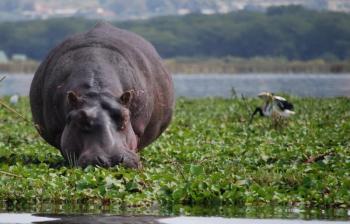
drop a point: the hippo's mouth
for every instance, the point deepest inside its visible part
(126, 158)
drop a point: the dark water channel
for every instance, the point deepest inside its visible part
(221, 85)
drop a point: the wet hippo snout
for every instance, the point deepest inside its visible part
(127, 158)
(87, 159)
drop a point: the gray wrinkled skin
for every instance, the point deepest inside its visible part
(101, 96)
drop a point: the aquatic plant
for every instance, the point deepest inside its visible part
(210, 155)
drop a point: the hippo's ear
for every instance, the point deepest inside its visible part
(73, 99)
(126, 98)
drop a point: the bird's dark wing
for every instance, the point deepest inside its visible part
(284, 104)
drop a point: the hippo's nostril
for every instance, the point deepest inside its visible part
(88, 159)
(102, 162)
(127, 158)
(83, 164)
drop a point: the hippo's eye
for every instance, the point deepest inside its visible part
(86, 124)
(122, 126)
(119, 120)
(86, 127)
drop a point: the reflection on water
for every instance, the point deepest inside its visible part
(220, 220)
(22, 218)
(176, 215)
(323, 85)
(91, 219)
(261, 212)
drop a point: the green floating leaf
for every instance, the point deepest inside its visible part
(196, 170)
(132, 186)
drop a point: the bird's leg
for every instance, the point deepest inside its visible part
(258, 109)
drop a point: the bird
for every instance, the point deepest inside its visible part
(275, 106)
(14, 99)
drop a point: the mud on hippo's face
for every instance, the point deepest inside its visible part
(98, 131)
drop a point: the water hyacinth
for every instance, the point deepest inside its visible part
(210, 155)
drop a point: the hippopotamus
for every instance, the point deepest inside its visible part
(101, 96)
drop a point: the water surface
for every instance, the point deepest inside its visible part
(304, 85)
(91, 219)
(226, 85)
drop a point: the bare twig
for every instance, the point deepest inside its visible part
(2, 103)
(250, 113)
(316, 158)
(247, 139)
(233, 92)
(10, 174)
(248, 108)
(246, 104)
(7, 107)
(179, 169)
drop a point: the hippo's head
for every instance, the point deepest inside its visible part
(98, 131)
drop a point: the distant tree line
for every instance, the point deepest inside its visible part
(288, 32)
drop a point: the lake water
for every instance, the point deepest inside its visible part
(174, 215)
(226, 85)
(106, 219)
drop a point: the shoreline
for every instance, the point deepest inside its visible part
(227, 65)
